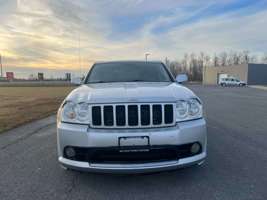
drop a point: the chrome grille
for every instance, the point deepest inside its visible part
(135, 115)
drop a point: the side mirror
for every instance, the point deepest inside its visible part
(180, 78)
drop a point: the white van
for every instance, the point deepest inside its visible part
(231, 81)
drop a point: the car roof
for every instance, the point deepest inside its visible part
(129, 61)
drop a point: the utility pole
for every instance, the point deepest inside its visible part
(80, 65)
(79, 41)
(1, 65)
(146, 55)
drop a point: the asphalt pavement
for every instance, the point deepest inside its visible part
(236, 167)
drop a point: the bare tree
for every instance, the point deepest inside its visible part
(223, 58)
(253, 59)
(177, 68)
(201, 63)
(264, 58)
(167, 62)
(230, 58)
(207, 60)
(201, 59)
(194, 64)
(244, 57)
(173, 68)
(236, 58)
(185, 61)
(215, 60)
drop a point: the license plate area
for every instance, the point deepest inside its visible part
(134, 144)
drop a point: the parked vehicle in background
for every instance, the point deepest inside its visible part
(231, 81)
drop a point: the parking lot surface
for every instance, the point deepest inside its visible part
(236, 167)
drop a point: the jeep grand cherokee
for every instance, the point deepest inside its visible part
(130, 117)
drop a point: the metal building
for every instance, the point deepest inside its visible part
(252, 74)
(40, 76)
(10, 76)
(68, 76)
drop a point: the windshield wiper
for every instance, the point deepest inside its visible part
(138, 80)
(98, 82)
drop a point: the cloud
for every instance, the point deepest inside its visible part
(46, 33)
(221, 33)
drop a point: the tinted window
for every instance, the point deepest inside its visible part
(128, 72)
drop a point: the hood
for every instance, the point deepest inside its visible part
(130, 92)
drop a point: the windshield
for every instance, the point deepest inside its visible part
(128, 72)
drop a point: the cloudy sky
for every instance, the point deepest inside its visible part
(46, 33)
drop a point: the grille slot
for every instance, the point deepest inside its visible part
(157, 114)
(108, 116)
(132, 115)
(145, 115)
(120, 116)
(168, 114)
(96, 115)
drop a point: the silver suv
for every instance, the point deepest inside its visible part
(130, 117)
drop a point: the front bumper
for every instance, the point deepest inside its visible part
(82, 136)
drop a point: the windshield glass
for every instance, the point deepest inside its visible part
(128, 72)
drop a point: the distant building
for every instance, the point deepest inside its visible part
(10, 76)
(32, 77)
(2, 78)
(252, 74)
(68, 76)
(40, 76)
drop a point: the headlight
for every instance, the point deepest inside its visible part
(181, 110)
(75, 113)
(188, 110)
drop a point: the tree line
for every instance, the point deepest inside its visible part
(192, 64)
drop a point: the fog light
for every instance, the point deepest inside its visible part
(70, 152)
(195, 148)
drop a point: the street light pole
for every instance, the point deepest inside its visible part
(146, 55)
